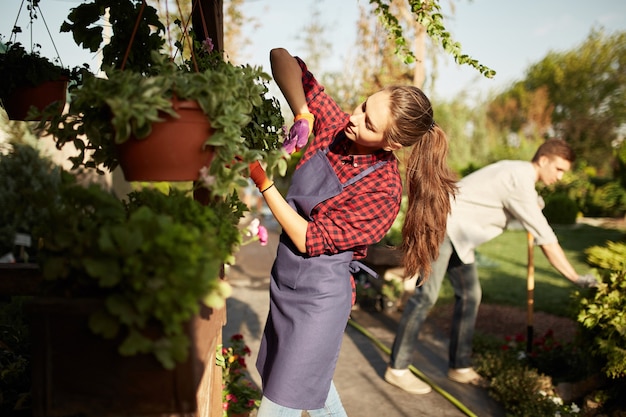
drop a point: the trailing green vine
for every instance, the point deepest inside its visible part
(428, 14)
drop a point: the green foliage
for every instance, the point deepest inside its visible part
(560, 209)
(239, 394)
(147, 36)
(606, 200)
(154, 260)
(428, 14)
(29, 184)
(594, 196)
(15, 351)
(523, 383)
(611, 256)
(19, 68)
(603, 311)
(105, 112)
(586, 90)
(392, 289)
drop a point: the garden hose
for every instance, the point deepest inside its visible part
(415, 371)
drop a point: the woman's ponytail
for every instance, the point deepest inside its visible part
(430, 185)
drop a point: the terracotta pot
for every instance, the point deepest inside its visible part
(40, 96)
(174, 149)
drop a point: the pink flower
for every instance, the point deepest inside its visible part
(263, 235)
(205, 178)
(207, 45)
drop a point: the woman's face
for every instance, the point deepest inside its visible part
(368, 123)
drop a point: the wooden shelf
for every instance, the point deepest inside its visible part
(20, 279)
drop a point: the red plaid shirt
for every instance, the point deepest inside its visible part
(364, 211)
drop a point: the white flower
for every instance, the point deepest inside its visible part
(557, 400)
(574, 408)
(253, 228)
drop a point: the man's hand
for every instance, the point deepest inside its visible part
(587, 281)
(257, 174)
(299, 132)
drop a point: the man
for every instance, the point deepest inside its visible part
(486, 201)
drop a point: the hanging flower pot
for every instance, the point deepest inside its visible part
(21, 99)
(174, 150)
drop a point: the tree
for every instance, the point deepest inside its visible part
(587, 90)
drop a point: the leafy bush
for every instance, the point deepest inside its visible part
(606, 200)
(521, 390)
(560, 209)
(29, 184)
(594, 196)
(602, 310)
(523, 383)
(15, 368)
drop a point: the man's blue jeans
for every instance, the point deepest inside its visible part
(467, 296)
(332, 408)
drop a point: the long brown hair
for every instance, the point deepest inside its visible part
(430, 182)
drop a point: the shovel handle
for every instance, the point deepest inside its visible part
(530, 290)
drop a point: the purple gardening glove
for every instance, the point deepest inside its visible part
(299, 132)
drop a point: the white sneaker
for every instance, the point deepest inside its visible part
(407, 382)
(467, 376)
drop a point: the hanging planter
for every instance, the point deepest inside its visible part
(112, 121)
(22, 99)
(30, 80)
(173, 151)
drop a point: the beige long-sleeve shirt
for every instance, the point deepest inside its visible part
(488, 199)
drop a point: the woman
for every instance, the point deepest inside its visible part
(345, 194)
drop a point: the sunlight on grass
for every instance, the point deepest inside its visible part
(502, 268)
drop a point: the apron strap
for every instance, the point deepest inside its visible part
(356, 266)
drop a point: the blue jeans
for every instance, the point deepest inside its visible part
(467, 296)
(332, 408)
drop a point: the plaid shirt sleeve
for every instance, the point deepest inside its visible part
(359, 216)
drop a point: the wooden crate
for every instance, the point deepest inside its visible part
(75, 371)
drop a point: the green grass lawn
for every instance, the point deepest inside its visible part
(502, 268)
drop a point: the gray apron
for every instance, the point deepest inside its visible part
(310, 301)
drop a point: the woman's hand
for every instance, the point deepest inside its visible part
(299, 132)
(258, 175)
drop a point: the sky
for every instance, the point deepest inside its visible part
(507, 36)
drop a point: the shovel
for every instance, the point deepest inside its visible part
(530, 292)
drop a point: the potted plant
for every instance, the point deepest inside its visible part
(240, 395)
(30, 80)
(129, 281)
(106, 114)
(152, 259)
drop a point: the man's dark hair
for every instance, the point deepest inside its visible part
(555, 147)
